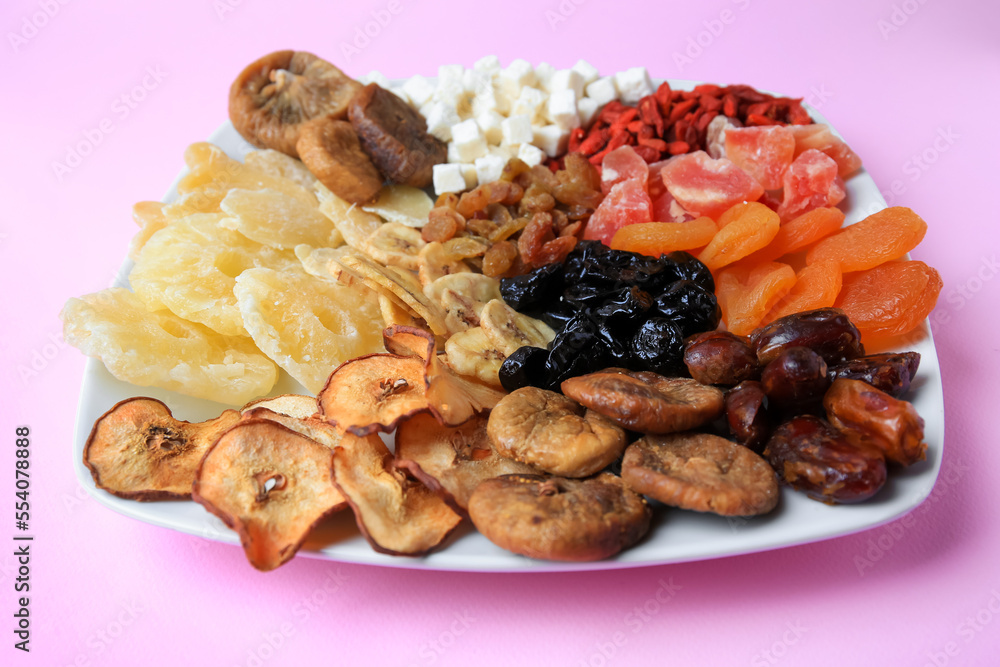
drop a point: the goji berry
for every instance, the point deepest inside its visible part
(680, 109)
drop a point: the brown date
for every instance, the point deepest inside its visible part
(812, 456)
(869, 417)
(747, 415)
(720, 357)
(892, 373)
(826, 331)
(795, 378)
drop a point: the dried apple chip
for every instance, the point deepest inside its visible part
(398, 514)
(137, 450)
(312, 427)
(373, 393)
(269, 484)
(453, 460)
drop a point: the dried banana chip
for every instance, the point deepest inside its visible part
(435, 262)
(404, 204)
(394, 244)
(463, 297)
(471, 353)
(509, 330)
(394, 314)
(399, 284)
(322, 263)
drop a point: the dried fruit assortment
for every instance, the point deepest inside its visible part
(591, 288)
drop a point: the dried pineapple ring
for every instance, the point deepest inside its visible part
(159, 349)
(404, 204)
(274, 219)
(150, 217)
(138, 450)
(213, 173)
(394, 244)
(509, 330)
(277, 164)
(190, 267)
(471, 353)
(307, 325)
(322, 263)
(351, 221)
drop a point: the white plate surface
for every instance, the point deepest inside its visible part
(676, 536)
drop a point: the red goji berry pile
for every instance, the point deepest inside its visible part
(671, 122)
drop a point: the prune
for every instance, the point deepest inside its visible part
(526, 367)
(795, 378)
(869, 417)
(557, 315)
(747, 415)
(891, 373)
(533, 290)
(646, 402)
(683, 265)
(576, 350)
(657, 347)
(826, 331)
(587, 296)
(812, 456)
(624, 309)
(693, 308)
(720, 357)
(701, 472)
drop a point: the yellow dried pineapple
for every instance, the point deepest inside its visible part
(278, 220)
(159, 349)
(279, 165)
(308, 325)
(151, 219)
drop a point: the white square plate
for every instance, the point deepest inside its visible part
(676, 535)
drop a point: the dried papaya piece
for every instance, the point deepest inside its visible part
(881, 237)
(891, 299)
(752, 228)
(748, 292)
(816, 286)
(658, 238)
(799, 232)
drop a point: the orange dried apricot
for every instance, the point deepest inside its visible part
(816, 286)
(747, 292)
(891, 299)
(658, 238)
(752, 228)
(799, 232)
(881, 237)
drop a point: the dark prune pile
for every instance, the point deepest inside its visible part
(609, 308)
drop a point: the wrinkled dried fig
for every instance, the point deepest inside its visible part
(452, 460)
(554, 433)
(395, 136)
(554, 518)
(701, 472)
(269, 484)
(397, 514)
(646, 402)
(274, 96)
(137, 450)
(331, 150)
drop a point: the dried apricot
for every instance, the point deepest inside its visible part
(748, 292)
(754, 226)
(659, 238)
(881, 237)
(799, 232)
(891, 299)
(816, 286)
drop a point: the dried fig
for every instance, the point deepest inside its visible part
(701, 472)
(452, 460)
(137, 450)
(395, 136)
(273, 97)
(269, 484)
(646, 402)
(554, 433)
(397, 514)
(331, 150)
(554, 518)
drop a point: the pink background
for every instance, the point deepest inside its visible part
(107, 590)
